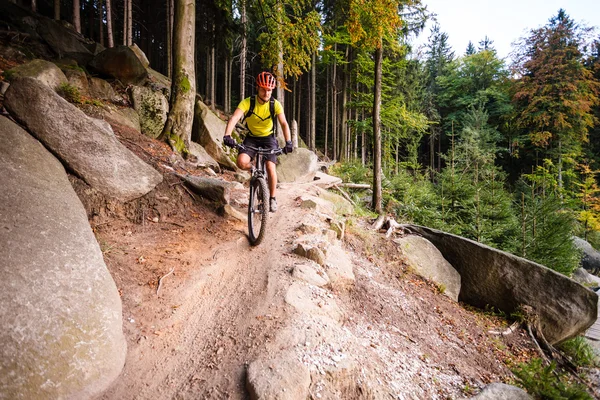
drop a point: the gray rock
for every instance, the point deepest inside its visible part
(309, 274)
(44, 71)
(65, 42)
(140, 55)
(282, 377)
(91, 152)
(591, 257)
(208, 132)
(428, 262)
(580, 275)
(313, 301)
(204, 159)
(121, 63)
(502, 391)
(299, 166)
(339, 268)
(491, 277)
(78, 79)
(61, 334)
(341, 206)
(100, 89)
(152, 107)
(212, 189)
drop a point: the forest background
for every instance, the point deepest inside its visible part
(505, 154)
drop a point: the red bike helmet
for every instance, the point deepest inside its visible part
(266, 80)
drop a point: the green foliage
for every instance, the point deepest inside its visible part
(70, 93)
(580, 352)
(546, 382)
(292, 30)
(412, 199)
(353, 171)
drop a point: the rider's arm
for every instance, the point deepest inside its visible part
(284, 126)
(238, 114)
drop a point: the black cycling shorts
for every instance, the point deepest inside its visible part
(266, 142)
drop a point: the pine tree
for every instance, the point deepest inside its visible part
(555, 93)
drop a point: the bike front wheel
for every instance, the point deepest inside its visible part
(258, 210)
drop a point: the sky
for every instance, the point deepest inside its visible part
(502, 21)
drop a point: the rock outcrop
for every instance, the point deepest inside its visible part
(427, 261)
(208, 132)
(44, 71)
(152, 107)
(299, 166)
(121, 63)
(61, 333)
(88, 147)
(591, 257)
(491, 277)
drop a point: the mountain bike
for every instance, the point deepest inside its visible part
(258, 204)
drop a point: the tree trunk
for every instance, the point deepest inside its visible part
(377, 201)
(129, 22)
(101, 21)
(34, 5)
(125, 8)
(169, 38)
(227, 84)
(343, 126)
(76, 16)
(334, 113)
(57, 10)
(109, 30)
(178, 129)
(327, 90)
(213, 85)
(313, 103)
(280, 74)
(244, 51)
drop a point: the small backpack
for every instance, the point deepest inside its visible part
(271, 110)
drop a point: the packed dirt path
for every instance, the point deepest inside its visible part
(223, 308)
(223, 305)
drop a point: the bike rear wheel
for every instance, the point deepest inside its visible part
(258, 210)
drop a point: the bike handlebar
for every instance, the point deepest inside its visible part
(259, 150)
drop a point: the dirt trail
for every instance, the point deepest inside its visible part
(225, 306)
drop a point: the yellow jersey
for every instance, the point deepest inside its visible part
(260, 123)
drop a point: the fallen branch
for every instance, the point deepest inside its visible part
(160, 280)
(355, 185)
(344, 194)
(507, 331)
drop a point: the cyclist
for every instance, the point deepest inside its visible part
(261, 125)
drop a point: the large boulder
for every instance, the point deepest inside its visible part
(591, 257)
(299, 166)
(497, 391)
(140, 55)
(427, 261)
(87, 147)
(78, 79)
(65, 42)
(61, 335)
(208, 131)
(100, 89)
(152, 107)
(121, 63)
(490, 277)
(44, 71)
